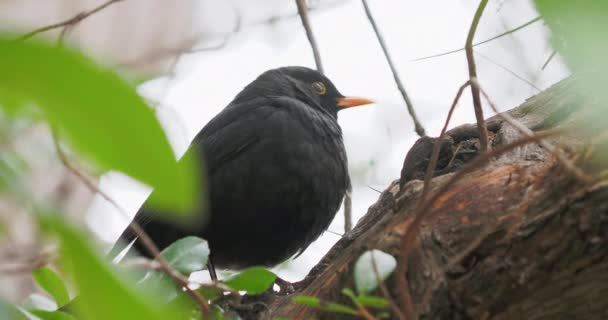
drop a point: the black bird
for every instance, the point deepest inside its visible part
(276, 171)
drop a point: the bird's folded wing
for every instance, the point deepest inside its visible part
(224, 138)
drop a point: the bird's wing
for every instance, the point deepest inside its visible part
(230, 133)
(224, 138)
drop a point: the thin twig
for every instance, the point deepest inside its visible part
(71, 21)
(410, 106)
(569, 165)
(528, 82)
(384, 289)
(303, 12)
(430, 169)
(405, 296)
(481, 42)
(549, 59)
(348, 210)
(374, 189)
(424, 210)
(481, 125)
(136, 228)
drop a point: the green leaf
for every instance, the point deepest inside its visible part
(52, 315)
(253, 280)
(578, 33)
(307, 301)
(100, 114)
(366, 280)
(50, 282)
(102, 294)
(372, 302)
(209, 292)
(339, 308)
(318, 304)
(36, 301)
(187, 255)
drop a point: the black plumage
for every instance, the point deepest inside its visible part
(276, 171)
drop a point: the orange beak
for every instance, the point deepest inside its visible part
(347, 102)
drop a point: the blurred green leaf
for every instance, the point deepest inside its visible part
(366, 279)
(372, 302)
(339, 308)
(102, 294)
(579, 30)
(210, 293)
(366, 301)
(100, 114)
(48, 280)
(185, 255)
(318, 304)
(578, 33)
(307, 301)
(52, 315)
(253, 280)
(37, 301)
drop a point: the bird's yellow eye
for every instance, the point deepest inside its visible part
(319, 88)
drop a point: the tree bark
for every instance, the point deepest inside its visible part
(518, 238)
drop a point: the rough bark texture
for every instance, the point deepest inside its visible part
(519, 238)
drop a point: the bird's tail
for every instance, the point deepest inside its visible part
(161, 231)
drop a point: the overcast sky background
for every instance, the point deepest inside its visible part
(377, 137)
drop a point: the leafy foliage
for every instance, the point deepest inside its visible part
(98, 285)
(99, 113)
(254, 280)
(48, 280)
(186, 255)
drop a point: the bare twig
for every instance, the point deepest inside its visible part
(481, 126)
(410, 106)
(69, 22)
(506, 33)
(569, 165)
(303, 12)
(348, 210)
(136, 228)
(528, 82)
(424, 210)
(430, 169)
(385, 291)
(551, 56)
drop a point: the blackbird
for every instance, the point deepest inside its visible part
(276, 172)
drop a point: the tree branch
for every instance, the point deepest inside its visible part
(69, 22)
(481, 126)
(303, 12)
(410, 107)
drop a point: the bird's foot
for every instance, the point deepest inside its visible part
(285, 287)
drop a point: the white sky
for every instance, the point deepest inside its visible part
(377, 137)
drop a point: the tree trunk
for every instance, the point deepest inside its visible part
(518, 238)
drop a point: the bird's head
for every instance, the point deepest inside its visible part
(304, 84)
